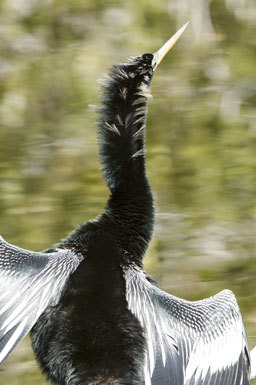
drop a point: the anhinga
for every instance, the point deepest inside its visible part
(95, 316)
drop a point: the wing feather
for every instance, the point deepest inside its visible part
(189, 343)
(29, 283)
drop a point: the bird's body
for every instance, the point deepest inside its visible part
(93, 312)
(96, 317)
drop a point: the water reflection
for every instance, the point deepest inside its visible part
(201, 137)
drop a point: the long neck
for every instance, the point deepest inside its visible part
(122, 150)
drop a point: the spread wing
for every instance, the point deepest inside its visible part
(189, 343)
(29, 283)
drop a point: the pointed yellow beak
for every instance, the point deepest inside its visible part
(160, 54)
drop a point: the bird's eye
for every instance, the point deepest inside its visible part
(154, 64)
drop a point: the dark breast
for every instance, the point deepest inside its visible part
(91, 337)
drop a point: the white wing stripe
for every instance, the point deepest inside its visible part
(12, 340)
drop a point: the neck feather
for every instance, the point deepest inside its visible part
(122, 150)
(122, 123)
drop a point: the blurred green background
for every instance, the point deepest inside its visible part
(201, 137)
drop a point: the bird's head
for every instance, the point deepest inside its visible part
(147, 63)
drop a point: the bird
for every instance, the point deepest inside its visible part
(94, 315)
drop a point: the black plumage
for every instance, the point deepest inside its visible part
(95, 316)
